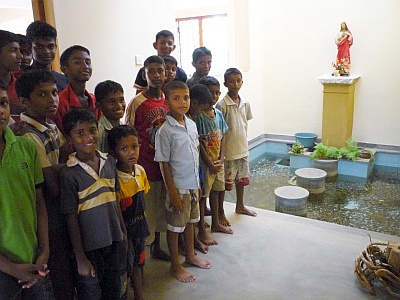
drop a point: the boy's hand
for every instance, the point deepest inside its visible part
(176, 203)
(85, 268)
(216, 167)
(29, 274)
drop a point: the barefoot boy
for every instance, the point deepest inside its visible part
(212, 127)
(146, 113)
(177, 151)
(124, 146)
(236, 112)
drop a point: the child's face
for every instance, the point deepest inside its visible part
(113, 107)
(4, 110)
(155, 75)
(215, 92)
(127, 151)
(43, 101)
(79, 67)
(26, 51)
(44, 51)
(178, 102)
(234, 83)
(170, 70)
(203, 65)
(10, 57)
(84, 137)
(164, 46)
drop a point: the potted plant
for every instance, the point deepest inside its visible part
(351, 152)
(326, 158)
(297, 148)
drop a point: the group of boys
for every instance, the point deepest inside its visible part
(80, 211)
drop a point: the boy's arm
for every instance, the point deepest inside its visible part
(28, 274)
(52, 180)
(175, 200)
(42, 228)
(85, 267)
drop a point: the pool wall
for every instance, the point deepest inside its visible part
(279, 145)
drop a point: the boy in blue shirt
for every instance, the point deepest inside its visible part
(177, 151)
(24, 243)
(89, 183)
(124, 146)
(211, 127)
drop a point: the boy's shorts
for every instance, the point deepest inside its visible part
(176, 222)
(136, 253)
(215, 182)
(237, 172)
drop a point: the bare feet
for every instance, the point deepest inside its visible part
(206, 239)
(182, 274)
(198, 245)
(206, 225)
(245, 211)
(223, 220)
(221, 228)
(199, 262)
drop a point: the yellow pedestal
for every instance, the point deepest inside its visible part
(338, 108)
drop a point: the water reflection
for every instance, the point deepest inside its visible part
(372, 204)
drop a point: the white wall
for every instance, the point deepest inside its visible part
(291, 43)
(296, 45)
(114, 32)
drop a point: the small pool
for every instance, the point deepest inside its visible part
(374, 205)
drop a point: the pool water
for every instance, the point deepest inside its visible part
(373, 205)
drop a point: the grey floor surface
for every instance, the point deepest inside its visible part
(272, 256)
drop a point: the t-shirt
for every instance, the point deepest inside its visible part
(131, 197)
(141, 83)
(104, 126)
(147, 115)
(68, 100)
(21, 174)
(236, 117)
(215, 128)
(93, 198)
(16, 107)
(195, 79)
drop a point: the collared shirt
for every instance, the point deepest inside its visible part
(68, 100)
(104, 127)
(236, 117)
(20, 174)
(179, 146)
(92, 196)
(47, 137)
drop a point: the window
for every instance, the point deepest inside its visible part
(208, 31)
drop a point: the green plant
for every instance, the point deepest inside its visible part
(324, 151)
(297, 148)
(351, 152)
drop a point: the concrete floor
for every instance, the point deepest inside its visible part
(272, 256)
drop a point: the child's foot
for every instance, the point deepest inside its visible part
(198, 245)
(158, 253)
(199, 262)
(182, 274)
(206, 225)
(245, 211)
(221, 228)
(223, 220)
(206, 239)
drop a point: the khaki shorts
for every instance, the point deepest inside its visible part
(215, 182)
(237, 172)
(176, 222)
